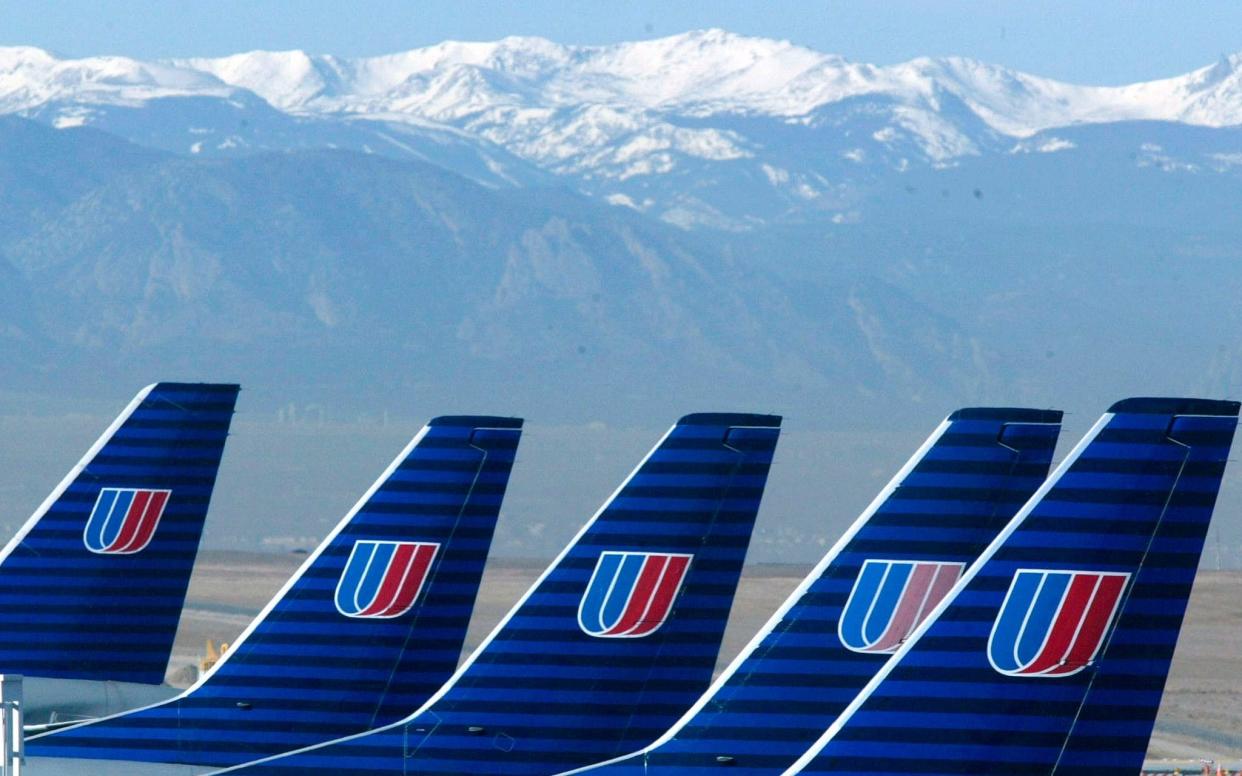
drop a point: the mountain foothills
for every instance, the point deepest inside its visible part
(708, 216)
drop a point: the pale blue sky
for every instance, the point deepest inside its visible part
(1090, 41)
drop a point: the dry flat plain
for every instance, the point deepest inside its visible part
(1201, 715)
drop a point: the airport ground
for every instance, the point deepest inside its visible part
(1201, 715)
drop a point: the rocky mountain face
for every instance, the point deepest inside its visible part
(333, 269)
(708, 216)
(619, 234)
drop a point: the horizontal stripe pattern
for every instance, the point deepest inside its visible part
(110, 611)
(944, 709)
(542, 695)
(947, 504)
(1115, 721)
(305, 672)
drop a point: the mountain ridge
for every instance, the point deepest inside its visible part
(702, 129)
(695, 68)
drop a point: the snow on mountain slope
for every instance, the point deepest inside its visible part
(30, 77)
(632, 109)
(171, 106)
(706, 127)
(1019, 104)
(696, 74)
(705, 72)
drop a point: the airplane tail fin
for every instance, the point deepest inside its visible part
(365, 631)
(857, 606)
(996, 677)
(621, 634)
(94, 582)
(614, 640)
(1114, 724)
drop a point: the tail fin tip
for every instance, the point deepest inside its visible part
(1008, 414)
(174, 385)
(730, 419)
(1146, 405)
(482, 421)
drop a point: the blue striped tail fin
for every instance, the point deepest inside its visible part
(1000, 677)
(93, 584)
(1114, 724)
(366, 630)
(613, 642)
(861, 601)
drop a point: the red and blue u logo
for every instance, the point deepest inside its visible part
(1053, 623)
(123, 520)
(890, 599)
(631, 594)
(382, 579)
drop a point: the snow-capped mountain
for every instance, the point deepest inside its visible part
(701, 74)
(706, 127)
(181, 109)
(31, 77)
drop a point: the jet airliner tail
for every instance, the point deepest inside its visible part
(616, 638)
(365, 631)
(93, 584)
(861, 602)
(1050, 653)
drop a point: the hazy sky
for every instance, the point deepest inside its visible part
(1091, 41)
